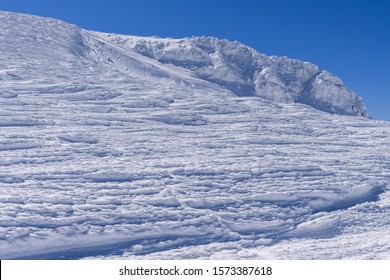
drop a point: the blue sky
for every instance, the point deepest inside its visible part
(350, 39)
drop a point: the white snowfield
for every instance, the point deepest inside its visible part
(115, 146)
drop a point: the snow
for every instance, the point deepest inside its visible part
(115, 146)
(246, 72)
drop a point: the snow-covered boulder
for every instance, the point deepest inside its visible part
(328, 93)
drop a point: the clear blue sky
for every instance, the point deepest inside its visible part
(350, 39)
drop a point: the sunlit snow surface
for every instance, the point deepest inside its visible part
(108, 153)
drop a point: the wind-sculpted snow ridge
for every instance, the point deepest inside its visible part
(108, 152)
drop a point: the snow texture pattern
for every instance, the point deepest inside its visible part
(115, 146)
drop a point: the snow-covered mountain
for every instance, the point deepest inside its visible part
(230, 65)
(118, 146)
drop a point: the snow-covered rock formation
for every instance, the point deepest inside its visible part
(115, 146)
(248, 73)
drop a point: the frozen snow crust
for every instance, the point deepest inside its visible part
(115, 146)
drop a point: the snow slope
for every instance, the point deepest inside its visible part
(115, 146)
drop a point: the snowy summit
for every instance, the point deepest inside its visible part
(116, 146)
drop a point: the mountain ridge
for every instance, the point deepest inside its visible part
(276, 78)
(231, 65)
